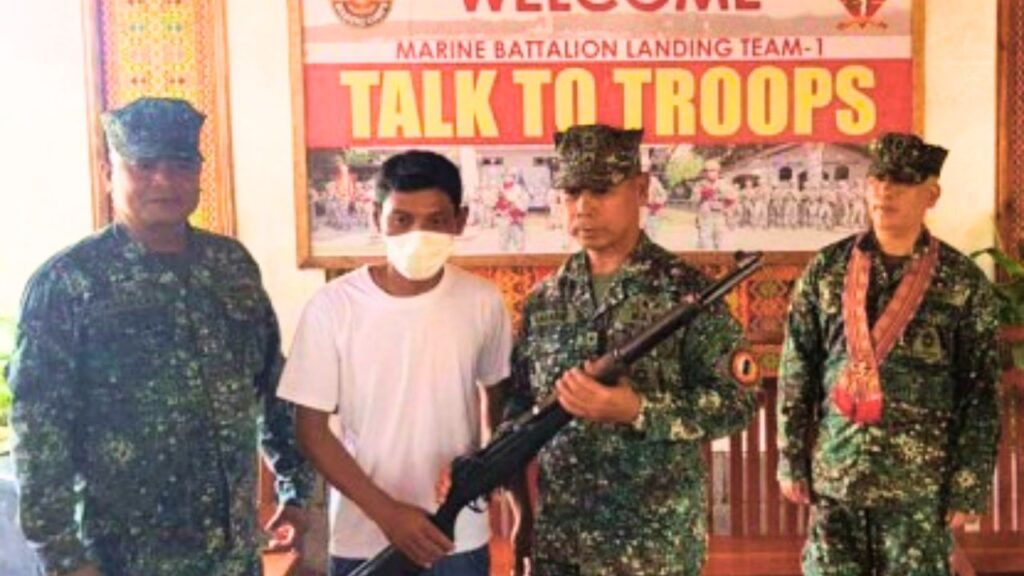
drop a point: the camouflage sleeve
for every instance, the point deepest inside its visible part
(277, 431)
(714, 399)
(277, 440)
(975, 430)
(42, 376)
(708, 402)
(519, 395)
(799, 382)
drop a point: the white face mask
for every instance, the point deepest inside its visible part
(419, 255)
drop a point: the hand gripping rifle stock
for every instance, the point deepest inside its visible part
(476, 475)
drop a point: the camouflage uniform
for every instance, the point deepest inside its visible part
(934, 449)
(881, 491)
(142, 384)
(617, 499)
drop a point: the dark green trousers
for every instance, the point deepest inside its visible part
(852, 541)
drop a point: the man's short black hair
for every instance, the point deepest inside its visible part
(417, 170)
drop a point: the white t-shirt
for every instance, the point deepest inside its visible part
(400, 373)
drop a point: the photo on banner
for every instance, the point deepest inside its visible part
(756, 114)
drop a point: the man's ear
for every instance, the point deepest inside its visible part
(461, 217)
(106, 172)
(376, 217)
(643, 184)
(934, 192)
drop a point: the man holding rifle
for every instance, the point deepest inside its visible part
(386, 370)
(622, 487)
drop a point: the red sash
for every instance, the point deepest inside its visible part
(858, 393)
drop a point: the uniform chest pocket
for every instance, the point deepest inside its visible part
(240, 305)
(244, 332)
(647, 375)
(553, 349)
(128, 336)
(830, 297)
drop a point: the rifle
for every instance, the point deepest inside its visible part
(515, 444)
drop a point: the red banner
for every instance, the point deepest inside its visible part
(701, 102)
(756, 115)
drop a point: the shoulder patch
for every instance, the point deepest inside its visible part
(744, 368)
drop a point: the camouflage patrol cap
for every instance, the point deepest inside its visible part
(905, 158)
(596, 156)
(151, 128)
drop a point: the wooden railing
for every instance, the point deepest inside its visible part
(996, 545)
(754, 530)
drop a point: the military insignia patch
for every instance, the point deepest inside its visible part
(362, 13)
(744, 369)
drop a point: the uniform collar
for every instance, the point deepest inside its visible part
(869, 243)
(887, 276)
(132, 249)
(574, 278)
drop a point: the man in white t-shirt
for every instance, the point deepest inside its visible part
(386, 368)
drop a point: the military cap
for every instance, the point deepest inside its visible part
(905, 158)
(151, 128)
(596, 156)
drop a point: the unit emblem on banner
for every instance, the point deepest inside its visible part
(362, 13)
(862, 14)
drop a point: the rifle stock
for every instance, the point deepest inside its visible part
(516, 444)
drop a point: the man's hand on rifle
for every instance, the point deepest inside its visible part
(795, 491)
(522, 530)
(443, 484)
(584, 397)
(412, 532)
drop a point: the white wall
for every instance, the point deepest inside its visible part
(44, 148)
(45, 155)
(960, 114)
(261, 121)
